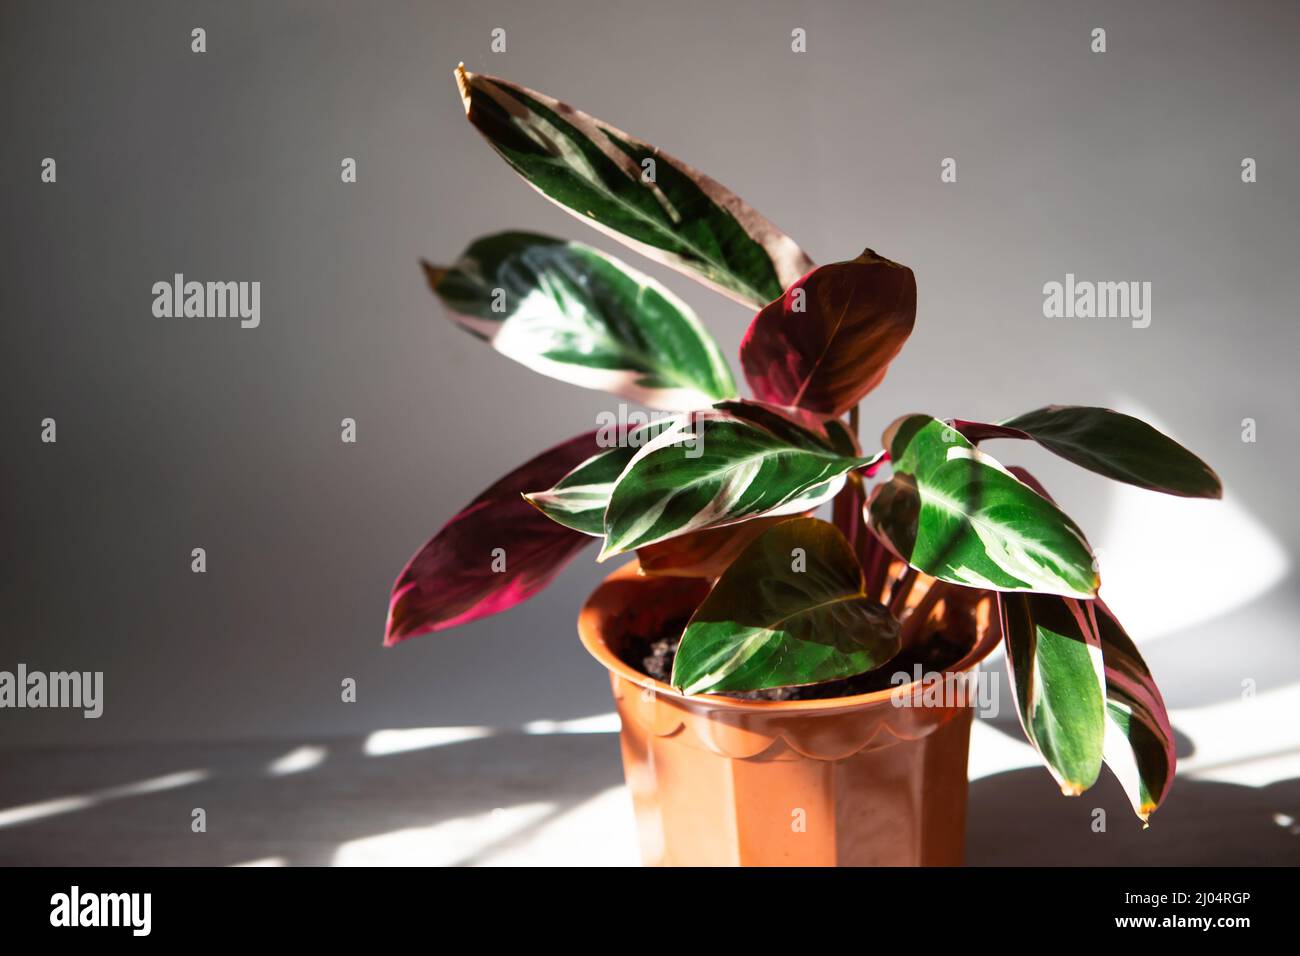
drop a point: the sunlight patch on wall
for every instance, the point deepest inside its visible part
(41, 809)
(595, 724)
(603, 825)
(1252, 741)
(299, 759)
(992, 752)
(1168, 563)
(381, 743)
(448, 843)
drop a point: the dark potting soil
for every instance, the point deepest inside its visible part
(935, 652)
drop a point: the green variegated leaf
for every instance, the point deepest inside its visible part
(578, 500)
(633, 192)
(1054, 656)
(719, 466)
(1139, 740)
(571, 312)
(791, 609)
(955, 513)
(1139, 745)
(1112, 444)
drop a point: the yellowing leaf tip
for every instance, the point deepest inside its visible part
(433, 274)
(462, 83)
(1144, 814)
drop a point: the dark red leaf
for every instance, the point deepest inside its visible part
(976, 432)
(830, 338)
(451, 580)
(1110, 443)
(1028, 479)
(1132, 690)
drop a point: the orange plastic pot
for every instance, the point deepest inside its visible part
(715, 781)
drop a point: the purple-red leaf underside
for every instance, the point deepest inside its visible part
(977, 432)
(459, 575)
(829, 339)
(1131, 693)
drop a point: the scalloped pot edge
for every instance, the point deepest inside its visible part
(844, 781)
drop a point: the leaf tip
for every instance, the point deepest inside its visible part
(535, 499)
(392, 632)
(463, 77)
(433, 274)
(1071, 789)
(398, 626)
(1091, 587)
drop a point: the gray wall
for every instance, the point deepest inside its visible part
(174, 433)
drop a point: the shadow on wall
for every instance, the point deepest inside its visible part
(515, 798)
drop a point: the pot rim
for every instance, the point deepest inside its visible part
(593, 639)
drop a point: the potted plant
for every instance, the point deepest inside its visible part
(753, 648)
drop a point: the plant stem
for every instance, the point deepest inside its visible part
(872, 554)
(846, 511)
(910, 632)
(902, 588)
(875, 563)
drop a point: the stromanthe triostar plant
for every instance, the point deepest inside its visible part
(724, 488)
